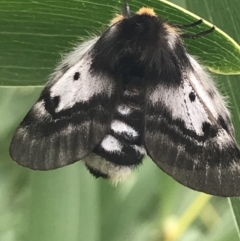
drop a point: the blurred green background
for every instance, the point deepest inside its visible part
(69, 204)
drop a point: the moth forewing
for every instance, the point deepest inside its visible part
(70, 117)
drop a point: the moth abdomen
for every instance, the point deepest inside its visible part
(121, 149)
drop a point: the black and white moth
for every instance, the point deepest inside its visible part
(133, 91)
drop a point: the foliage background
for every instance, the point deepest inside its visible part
(68, 204)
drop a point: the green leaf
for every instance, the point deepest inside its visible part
(34, 34)
(235, 205)
(64, 205)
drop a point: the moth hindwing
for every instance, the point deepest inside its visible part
(133, 91)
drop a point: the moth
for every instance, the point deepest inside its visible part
(131, 92)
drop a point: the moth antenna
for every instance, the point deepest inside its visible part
(198, 22)
(198, 35)
(126, 11)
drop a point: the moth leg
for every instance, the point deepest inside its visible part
(198, 35)
(198, 22)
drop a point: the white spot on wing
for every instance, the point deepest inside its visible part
(176, 100)
(39, 109)
(82, 90)
(121, 127)
(111, 144)
(201, 92)
(139, 149)
(203, 83)
(223, 139)
(124, 110)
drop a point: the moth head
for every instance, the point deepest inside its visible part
(141, 32)
(132, 40)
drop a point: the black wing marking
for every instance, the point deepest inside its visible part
(189, 135)
(70, 118)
